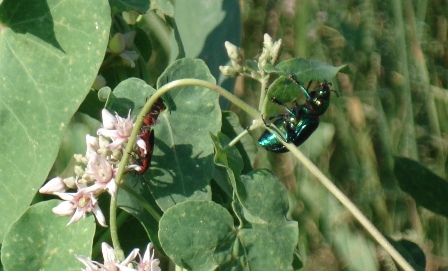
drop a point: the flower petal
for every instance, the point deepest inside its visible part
(65, 208)
(131, 257)
(109, 120)
(65, 196)
(108, 253)
(99, 215)
(54, 185)
(79, 213)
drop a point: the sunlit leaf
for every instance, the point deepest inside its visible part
(47, 246)
(50, 53)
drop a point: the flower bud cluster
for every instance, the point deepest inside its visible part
(96, 170)
(239, 66)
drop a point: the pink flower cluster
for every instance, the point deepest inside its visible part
(147, 263)
(96, 171)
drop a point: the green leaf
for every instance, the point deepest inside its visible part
(183, 152)
(52, 50)
(40, 240)
(143, 43)
(427, 189)
(266, 197)
(141, 6)
(219, 21)
(197, 235)
(413, 254)
(284, 90)
(130, 94)
(306, 69)
(228, 165)
(270, 239)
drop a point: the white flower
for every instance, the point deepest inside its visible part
(99, 169)
(77, 205)
(149, 263)
(117, 128)
(110, 260)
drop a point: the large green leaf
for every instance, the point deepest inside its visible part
(197, 235)
(40, 240)
(200, 235)
(50, 52)
(183, 153)
(219, 21)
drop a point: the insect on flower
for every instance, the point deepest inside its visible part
(147, 134)
(144, 158)
(151, 118)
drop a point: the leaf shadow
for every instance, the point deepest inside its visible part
(30, 17)
(167, 179)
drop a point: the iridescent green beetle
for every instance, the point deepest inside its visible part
(300, 121)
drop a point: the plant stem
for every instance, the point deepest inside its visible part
(114, 228)
(333, 189)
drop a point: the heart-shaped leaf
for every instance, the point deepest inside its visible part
(51, 53)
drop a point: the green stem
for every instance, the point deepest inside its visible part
(333, 189)
(114, 228)
(264, 83)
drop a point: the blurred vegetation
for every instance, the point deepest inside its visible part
(393, 101)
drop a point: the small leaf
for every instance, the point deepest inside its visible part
(197, 235)
(427, 189)
(413, 254)
(130, 94)
(307, 70)
(252, 64)
(40, 240)
(284, 90)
